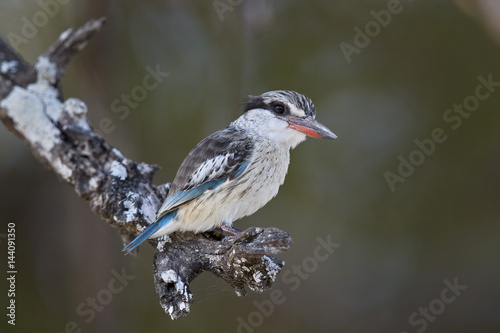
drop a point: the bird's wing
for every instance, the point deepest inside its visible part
(219, 158)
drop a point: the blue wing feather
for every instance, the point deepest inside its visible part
(175, 200)
(219, 158)
(154, 227)
(241, 168)
(183, 197)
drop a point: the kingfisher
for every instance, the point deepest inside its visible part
(235, 171)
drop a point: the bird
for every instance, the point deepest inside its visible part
(235, 171)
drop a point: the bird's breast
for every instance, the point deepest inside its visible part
(259, 183)
(243, 195)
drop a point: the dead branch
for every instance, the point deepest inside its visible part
(118, 189)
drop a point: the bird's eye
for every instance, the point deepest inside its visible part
(279, 108)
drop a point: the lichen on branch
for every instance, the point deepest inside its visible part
(120, 190)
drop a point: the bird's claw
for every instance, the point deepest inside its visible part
(231, 229)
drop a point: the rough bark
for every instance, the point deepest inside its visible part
(118, 189)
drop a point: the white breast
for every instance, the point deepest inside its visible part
(240, 197)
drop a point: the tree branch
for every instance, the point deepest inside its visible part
(118, 189)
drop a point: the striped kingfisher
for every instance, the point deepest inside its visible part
(235, 171)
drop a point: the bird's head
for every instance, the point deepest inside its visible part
(283, 116)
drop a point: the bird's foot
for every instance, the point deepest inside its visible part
(230, 229)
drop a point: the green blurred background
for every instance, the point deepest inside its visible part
(396, 247)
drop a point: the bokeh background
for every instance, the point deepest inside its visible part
(396, 247)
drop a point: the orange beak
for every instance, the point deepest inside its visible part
(310, 127)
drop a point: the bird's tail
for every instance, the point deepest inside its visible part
(162, 221)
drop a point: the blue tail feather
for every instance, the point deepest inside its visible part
(162, 221)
